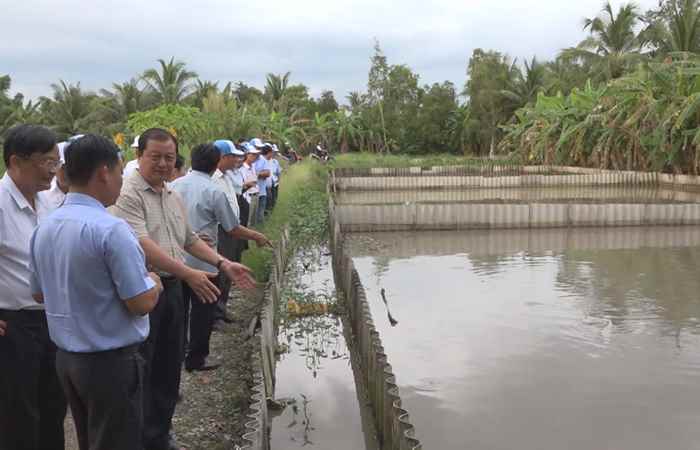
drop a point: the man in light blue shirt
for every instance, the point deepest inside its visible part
(90, 272)
(208, 207)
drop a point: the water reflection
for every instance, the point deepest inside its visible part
(577, 347)
(314, 372)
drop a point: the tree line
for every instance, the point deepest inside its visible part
(627, 96)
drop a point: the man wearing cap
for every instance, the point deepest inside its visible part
(250, 177)
(158, 216)
(208, 206)
(276, 171)
(32, 404)
(90, 272)
(262, 169)
(132, 165)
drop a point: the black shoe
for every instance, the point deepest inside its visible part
(202, 368)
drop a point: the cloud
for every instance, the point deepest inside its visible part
(326, 45)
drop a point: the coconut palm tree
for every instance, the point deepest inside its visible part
(275, 88)
(674, 27)
(202, 90)
(613, 45)
(522, 88)
(173, 82)
(126, 98)
(68, 108)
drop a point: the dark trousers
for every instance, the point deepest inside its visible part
(32, 404)
(162, 352)
(230, 248)
(105, 393)
(244, 208)
(275, 191)
(200, 325)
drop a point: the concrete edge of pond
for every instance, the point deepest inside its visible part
(392, 421)
(495, 176)
(257, 435)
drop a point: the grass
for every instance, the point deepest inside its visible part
(302, 207)
(363, 160)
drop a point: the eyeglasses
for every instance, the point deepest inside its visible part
(45, 163)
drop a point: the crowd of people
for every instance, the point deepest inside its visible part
(113, 276)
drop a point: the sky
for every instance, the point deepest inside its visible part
(326, 44)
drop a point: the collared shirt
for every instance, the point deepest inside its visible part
(262, 164)
(17, 222)
(207, 206)
(237, 180)
(86, 263)
(276, 171)
(54, 196)
(249, 174)
(160, 216)
(130, 167)
(225, 183)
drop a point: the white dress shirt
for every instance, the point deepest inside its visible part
(53, 197)
(249, 174)
(224, 182)
(17, 222)
(130, 167)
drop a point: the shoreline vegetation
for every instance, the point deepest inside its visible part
(626, 97)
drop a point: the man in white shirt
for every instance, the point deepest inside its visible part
(32, 404)
(132, 165)
(56, 194)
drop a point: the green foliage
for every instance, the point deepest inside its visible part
(186, 122)
(648, 120)
(302, 208)
(366, 160)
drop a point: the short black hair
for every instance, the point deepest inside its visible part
(205, 158)
(155, 134)
(179, 161)
(240, 141)
(87, 154)
(25, 140)
(266, 149)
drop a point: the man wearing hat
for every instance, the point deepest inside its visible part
(208, 207)
(132, 165)
(250, 188)
(262, 169)
(276, 171)
(230, 180)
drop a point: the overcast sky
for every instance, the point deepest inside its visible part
(325, 44)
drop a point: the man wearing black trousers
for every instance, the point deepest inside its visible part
(207, 206)
(158, 217)
(32, 404)
(90, 272)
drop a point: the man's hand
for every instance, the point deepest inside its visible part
(3, 327)
(239, 274)
(201, 284)
(249, 184)
(157, 281)
(262, 241)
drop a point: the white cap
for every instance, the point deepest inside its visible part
(135, 144)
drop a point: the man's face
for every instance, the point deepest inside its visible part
(252, 157)
(238, 161)
(177, 173)
(157, 162)
(227, 162)
(38, 169)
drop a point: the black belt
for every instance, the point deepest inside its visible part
(18, 314)
(128, 350)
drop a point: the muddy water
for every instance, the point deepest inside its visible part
(580, 346)
(315, 374)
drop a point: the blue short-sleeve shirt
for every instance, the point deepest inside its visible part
(86, 263)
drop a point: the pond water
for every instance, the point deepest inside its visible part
(315, 374)
(551, 339)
